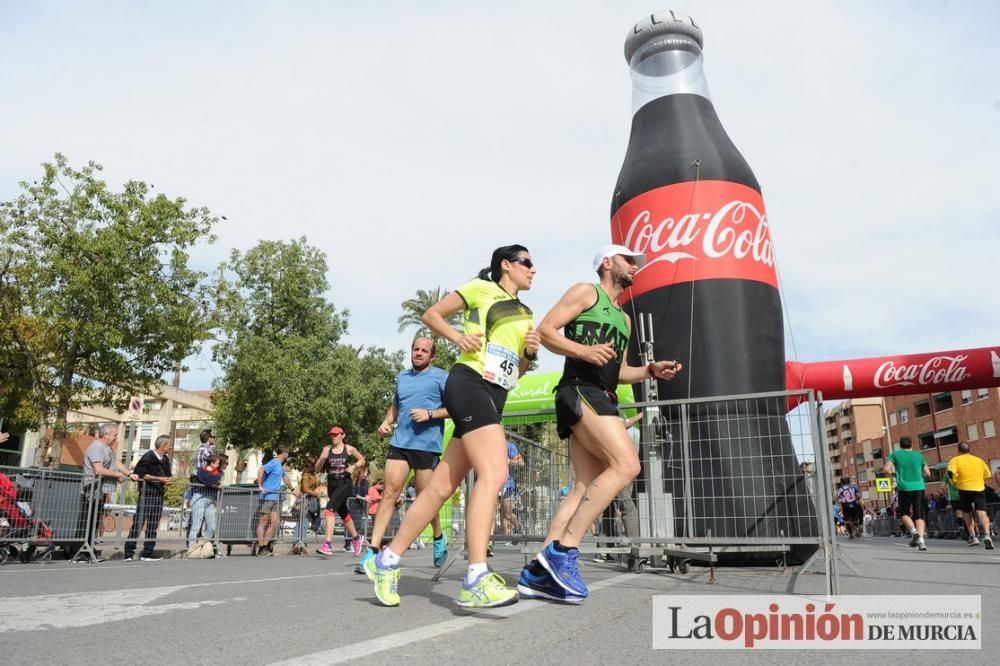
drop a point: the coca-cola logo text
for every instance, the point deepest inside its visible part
(724, 234)
(935, 370)
(697, 231)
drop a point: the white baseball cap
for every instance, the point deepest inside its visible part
(612, 250)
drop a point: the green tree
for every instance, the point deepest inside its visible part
(174, 493)
(95, 290)
(286, 377)
(445, 352)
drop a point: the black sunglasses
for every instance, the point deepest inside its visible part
(524, 261)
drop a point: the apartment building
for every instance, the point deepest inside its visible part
(855, 439)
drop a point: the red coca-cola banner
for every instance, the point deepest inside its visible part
(898, 375)
(696, 230)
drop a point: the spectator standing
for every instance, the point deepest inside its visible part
(625, 500)
(358, 503)
(910, 470)
(838, 519)
(102, 472)
(201, 454)
(375, 494)
(312, 490)
(204, 505)
(359, 481)
(970, 474)
(509, 523)
(154, 470)
(306, 508)
(269, 479)
(204, 450)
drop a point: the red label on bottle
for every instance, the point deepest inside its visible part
(698, 230)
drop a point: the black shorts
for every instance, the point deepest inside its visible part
(972, 500)
(471, 401)
(570, 400)
(911, 503)
(414, 458)
(852, 512)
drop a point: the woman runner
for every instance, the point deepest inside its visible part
(339, 487)
(498, 343)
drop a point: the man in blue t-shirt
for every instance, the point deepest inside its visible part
(269, 478)
(418, 411)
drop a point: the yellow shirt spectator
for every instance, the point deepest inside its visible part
(969, 472)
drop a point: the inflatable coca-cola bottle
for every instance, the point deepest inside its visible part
(687, 198)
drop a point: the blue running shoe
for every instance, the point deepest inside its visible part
(565, 569)
(440, 550)
(535, 586)
(368, 554)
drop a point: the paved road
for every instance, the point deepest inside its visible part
(309, 610)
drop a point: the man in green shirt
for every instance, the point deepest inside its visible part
(910, 470)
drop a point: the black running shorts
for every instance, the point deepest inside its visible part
(852, 513)
(972, 500)
(414, 458)
(471, 401)
(570, 401)
(911, 503)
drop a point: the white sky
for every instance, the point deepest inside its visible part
(407, 140)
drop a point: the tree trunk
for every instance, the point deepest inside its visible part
(58, 433)
(64, 395)
(176, 383)
(42, 448)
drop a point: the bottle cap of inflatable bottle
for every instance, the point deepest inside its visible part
(667, 22)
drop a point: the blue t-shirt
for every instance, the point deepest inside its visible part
(274, 472)
(419, 390)
(511, 454)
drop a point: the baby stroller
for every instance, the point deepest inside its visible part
(21, 535)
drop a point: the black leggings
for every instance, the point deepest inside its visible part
(338, 492)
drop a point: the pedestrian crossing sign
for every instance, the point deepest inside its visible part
(883, 485)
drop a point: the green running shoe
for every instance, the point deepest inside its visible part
(386, 582)
(489, 591)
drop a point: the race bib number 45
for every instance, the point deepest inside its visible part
(501, 366)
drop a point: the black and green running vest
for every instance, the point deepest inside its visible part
(602, 322)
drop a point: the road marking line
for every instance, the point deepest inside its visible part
(365, 648)
(82, 609)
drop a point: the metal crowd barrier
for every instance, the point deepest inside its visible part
(941, 524)
(722, 482)
(39, 511)
(531, 495)
(44, 511)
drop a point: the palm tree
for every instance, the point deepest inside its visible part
(414, 309)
